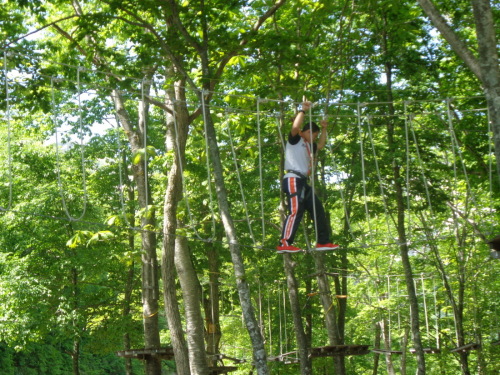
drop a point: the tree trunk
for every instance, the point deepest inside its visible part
(149, 271)
(259, 353)
(376, 345)
(341, 290)
(457, 306)
(485, 68)
(75, 356)
(405, 259)
(385, 331)
(404, 346)
(129, 283)
(136, 136)
(329, 310)
(293, 295)
(490, 71)
(460, 302)
(173, 194)
(192, 297)
(211, 306)
(400, 224)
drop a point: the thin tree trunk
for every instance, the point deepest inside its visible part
(293, 295)
(400, 224)
(149, 271)
(329, 310)
(376, 345)
(75, 356)
(259, 353)
(404, 346)
(150, 289)
(457, 306)
(385, 330)
(341, 290)
(176, 139)
(211, 306)
(129, 285)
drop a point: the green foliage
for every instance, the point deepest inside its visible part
(64, 281)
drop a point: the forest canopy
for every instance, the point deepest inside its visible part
(142, 147)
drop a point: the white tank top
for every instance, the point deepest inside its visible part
(298, 156)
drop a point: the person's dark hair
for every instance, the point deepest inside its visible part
(311, 125)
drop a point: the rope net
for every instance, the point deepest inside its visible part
(442, 149)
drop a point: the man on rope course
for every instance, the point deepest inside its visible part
(298, 165)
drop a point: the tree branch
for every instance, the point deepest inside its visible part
(271, 11)
(38, 30)
(451, 37)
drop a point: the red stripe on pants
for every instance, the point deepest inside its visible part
(292, 188)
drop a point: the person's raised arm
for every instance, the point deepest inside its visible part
(322, 136)
(299, 119)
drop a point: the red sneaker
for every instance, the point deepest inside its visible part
(326, 246)
(287, 249)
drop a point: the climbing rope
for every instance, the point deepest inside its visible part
(9, 130)
(58, 157)
(240, 183)
(209, 179)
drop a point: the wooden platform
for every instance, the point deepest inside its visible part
(163, 353)
(286, 358)
(387, 352)
(466, 348)
(337, 350)
(222, 356)
(427, 350)
(221, 370)
(283, 359)
(168, 354)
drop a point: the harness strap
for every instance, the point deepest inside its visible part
(301, 175)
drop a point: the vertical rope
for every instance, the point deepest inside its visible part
(313, 172)
(382, 191)
(425, 307)
(341, 189)
(280, 320)
(82, 148)
(280, 133)
(455, 144)
(58, 157)
(261, 316)
(389, 310)
(436, 313)
(397, 295)
(181, 167)
(240, 183)
(490, 164)
(408, 167)
(363, 176)
(145, 145)
(212, 308)
(284, 318)
(120, 171)
(421, 166)
(490, 161)
(269, 323)
(259, 141)
(9, 129)
(450, 130)
(209, 179)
